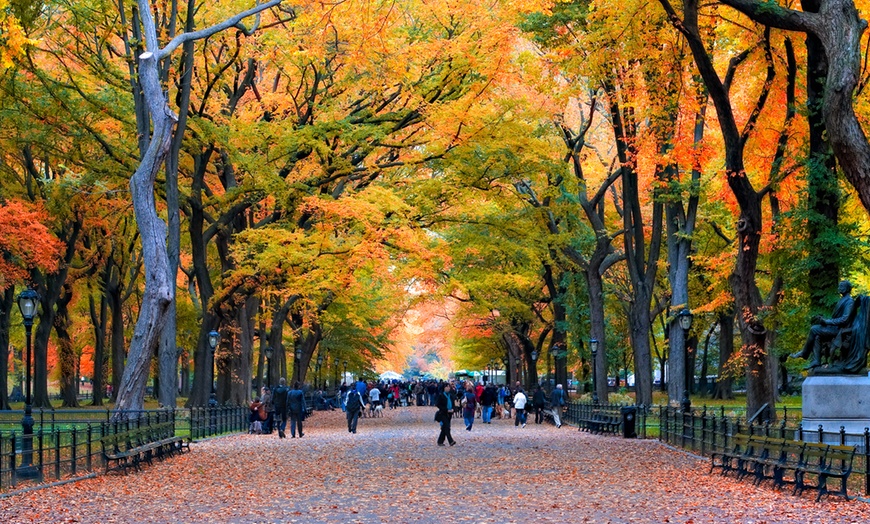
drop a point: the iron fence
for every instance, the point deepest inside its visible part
(705, 431)
(66, 444)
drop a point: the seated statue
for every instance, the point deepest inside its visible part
(842, 338)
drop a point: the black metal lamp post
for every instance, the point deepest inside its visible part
(593, 345)
(268, 352)
(344, 377)
(214, 339)
(685, 317)
(491, 371)
(28, 301)
(319, 364)
(533, 376)
(298, 363)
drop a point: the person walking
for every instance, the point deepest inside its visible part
(487, 399)
(539, 400)
(557, 400)
(279, 400)
(444, 403)
(353, 406)
(270, 410)
(468, 411)
(296, 407)
(520, 407)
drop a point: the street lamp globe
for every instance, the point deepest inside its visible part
(686, 318)
(534, 356)
(28, 301)
(214, 339)
(319, 359)
(268, 352)
(593, 345)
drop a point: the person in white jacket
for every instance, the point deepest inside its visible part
(520, 405)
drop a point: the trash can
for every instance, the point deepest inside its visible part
(629, 414)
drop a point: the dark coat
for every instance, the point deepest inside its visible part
(539, 399)
(296, 401)
(279, 399)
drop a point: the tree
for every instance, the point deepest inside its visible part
(159, 289)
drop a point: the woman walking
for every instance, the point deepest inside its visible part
(470, 405)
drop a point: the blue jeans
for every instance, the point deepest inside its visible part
(486, 417)
(469, 419)
(521, 417)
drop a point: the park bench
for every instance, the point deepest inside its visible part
(776, 458)
(728, 455)
(602, 420)
(126, 449)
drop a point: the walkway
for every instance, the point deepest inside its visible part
(392, 471)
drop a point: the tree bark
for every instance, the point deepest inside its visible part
(7, 302)
(724, 383)
(65, 353)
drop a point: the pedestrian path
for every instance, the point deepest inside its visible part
(391, 471)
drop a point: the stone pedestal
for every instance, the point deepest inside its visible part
(835, 401)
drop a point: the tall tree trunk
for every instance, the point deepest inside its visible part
(680, 230)
(724, 384)
(100, 321)
(7, 302)
(65, 354)
(118, 340)
(159, 288)
(823, 192)
(168, 359)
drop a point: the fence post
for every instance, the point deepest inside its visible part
(866, 461)
(704, 430)
(90, 433)
(74, 450)
(56, 435)
(821, 434)
(842, 435)
(12, 459)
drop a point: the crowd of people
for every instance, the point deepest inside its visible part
(453, 399)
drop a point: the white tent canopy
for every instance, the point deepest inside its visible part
(391, 375)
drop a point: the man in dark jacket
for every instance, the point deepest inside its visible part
(557, 400)
(296, 407)
(279, 400)
(353, 407)
(487, 401)
(444, 401)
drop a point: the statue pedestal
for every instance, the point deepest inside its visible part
(835, 401)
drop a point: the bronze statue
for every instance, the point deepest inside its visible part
(844, 335)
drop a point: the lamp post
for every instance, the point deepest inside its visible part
(344, 377)
(593, 345)
(685, 317)
(319, 363)
(297, 363)
(268, 352)
(214, 339)
(533, 376)
(491, 371)
(28, 301)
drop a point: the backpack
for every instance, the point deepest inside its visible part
(470, 402)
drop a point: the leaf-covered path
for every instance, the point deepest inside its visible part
(392, 471)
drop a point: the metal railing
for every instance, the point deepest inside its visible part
(66, 444)
(706, 431)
